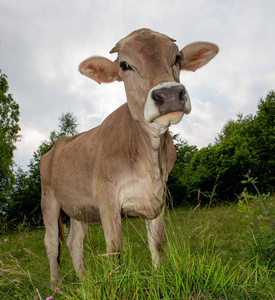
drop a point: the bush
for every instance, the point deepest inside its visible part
(258, 211)
(184, 155)
(244, 145)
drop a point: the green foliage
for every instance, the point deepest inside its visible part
(9, 112)
(67, 124)
(184, 155)
(9, 128)
(24, 206)
(243, 145)
(258, 214)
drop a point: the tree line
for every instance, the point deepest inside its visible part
(245, 147)
(200, 176)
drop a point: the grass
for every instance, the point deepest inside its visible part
(206, 257)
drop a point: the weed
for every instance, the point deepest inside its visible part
(258, 211)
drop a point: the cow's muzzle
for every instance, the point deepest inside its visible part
(166, 104)
(169, 100)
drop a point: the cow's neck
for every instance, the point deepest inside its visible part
(155, 138)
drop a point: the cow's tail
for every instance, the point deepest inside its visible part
(60, 238)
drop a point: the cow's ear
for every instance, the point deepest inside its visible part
(197, 54)
(99, 69)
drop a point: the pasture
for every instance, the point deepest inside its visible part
(208, 255)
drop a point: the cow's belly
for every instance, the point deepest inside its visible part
(79, 207)
(85, 213)
(135, 197)
(138, 198)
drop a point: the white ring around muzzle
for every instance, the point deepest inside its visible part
(152, 114)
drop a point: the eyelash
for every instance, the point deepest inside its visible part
(125, 66)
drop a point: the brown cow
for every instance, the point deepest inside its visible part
(123, 164)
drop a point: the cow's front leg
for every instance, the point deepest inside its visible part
(155, 233)
(75, 245)
(110, 214)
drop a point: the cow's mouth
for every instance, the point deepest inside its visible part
(169, 118)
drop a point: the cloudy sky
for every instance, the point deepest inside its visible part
(43, 42)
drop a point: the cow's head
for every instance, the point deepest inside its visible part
(149, 64)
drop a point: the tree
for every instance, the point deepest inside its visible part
(264, 141)
(184, 156)
(25, 205)
(244, 146)
(252, 138)
(9, 128)
(27, 189)
(67, 124)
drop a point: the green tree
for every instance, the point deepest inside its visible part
(25, 205)
(264, 141)
(184, 155)
(9, 128)
(244, 146)
(67, 124)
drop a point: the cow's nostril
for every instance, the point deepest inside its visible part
(182, 95)
(158, 97)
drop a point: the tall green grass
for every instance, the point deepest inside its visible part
(206, 257)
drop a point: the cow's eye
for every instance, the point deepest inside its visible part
(177, 60)
(125, 66)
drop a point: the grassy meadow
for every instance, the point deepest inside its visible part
(209, 254)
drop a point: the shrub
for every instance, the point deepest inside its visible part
(258, 211)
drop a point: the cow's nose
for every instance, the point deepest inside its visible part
(175, 93)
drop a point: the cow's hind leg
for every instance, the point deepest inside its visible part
(155, 233)
(51, 210)
(75, 245)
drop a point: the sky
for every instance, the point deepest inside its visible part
(43, 42)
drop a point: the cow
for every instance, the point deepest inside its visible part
(122, 165)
